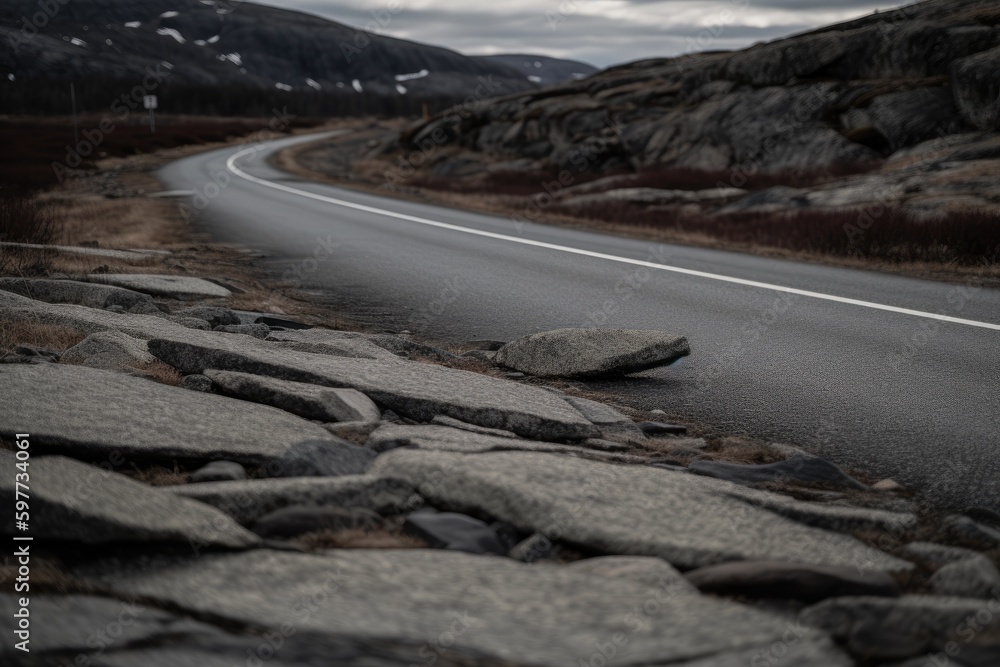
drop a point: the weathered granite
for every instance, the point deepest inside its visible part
(305, 400)
(249, 500)
(92, 414)
(687, 520)
(493, 608)
(80, 293)
(110, 350)
(76, 502)
(176, 287)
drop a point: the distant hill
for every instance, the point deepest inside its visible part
(542, 69)
(221, 44)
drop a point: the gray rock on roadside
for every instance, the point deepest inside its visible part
(109, 350)
(98, 415)
(309, 401)
(197, 383)
(76, 502)
(218, 471)
(801, 470)
(175, 287)
(414, 390)
(578, 353)
(442, 420)
(687, 520)
(443, 438)
(655, 573)
(322, 458)
(249, 500)
(934, 556)
(216, 316)
(975, 577)
(790, 581)
(913, 625)
(571, 614)
(258, 331)
(454, 532)
(80, 293)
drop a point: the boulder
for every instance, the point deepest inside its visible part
(884, 629)
(414, 390)
(249, 500)
(579, 353)
(455, 532)
(110, 350)
(174, 287)
(100, 415)
(687, 520)
(305, 400)
(289, 522)
(197, 383)
(975, 577)
(80, 293)
(796, 470)
(494, 610)
(791, 581)
(219, 471)
(76, 502)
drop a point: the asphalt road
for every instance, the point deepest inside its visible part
(839, 364)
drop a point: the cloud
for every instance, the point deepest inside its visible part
(603, 32)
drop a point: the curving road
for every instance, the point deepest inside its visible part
(896, 376)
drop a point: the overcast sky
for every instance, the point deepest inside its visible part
(601, 32)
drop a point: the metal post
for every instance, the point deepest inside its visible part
(76, 125)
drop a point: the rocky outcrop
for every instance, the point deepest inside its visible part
(80, 294)
(837, 100)
(175, 287)
(110, 350)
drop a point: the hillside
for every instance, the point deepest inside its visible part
(218, 44)
(899, 107)
(542, 69)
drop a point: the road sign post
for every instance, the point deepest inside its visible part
(150, 102)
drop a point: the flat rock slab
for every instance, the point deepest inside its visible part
(348, 343)
(247, 501)
(415, 390)
(92, 414)
(687, 520)
(910, 626)
(177, 287)
(110, 350)
(447, 439)
(441, 420)
(76, 502)
(79, 293)
(492, 608)
(790, 581)
(647, 570)
(127, 255)
(801, 470)
(592, 352)
(305, 400)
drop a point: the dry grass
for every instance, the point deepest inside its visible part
(161, 372)
(51, 336)
(158, 475)
(358, 539)
(47, 576)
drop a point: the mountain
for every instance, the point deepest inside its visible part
(905, 104)
(543, 69)
(217, 43)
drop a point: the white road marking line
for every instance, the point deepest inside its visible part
(231, 165)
